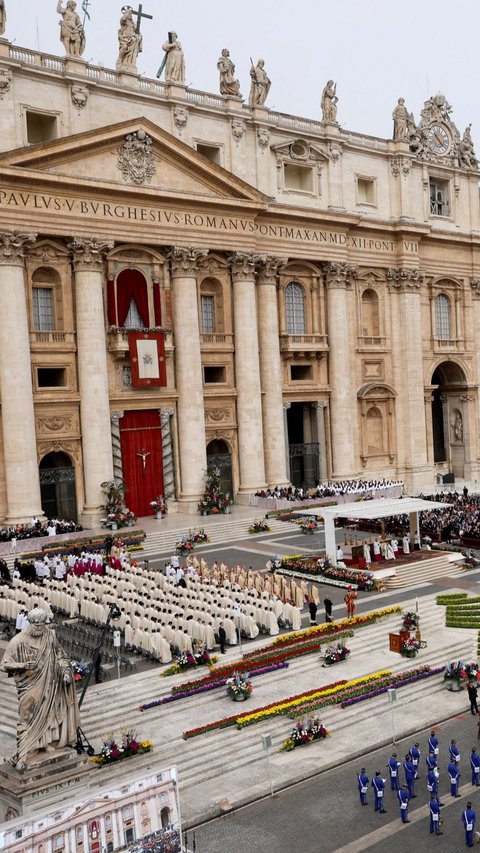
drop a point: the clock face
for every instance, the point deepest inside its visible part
(438, 140)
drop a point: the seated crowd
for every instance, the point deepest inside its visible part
(51, 527)
(328, 490)
(161, 614)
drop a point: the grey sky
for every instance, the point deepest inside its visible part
(375, 50)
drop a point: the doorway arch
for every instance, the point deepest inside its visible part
(57, 486)
(219, 456)
(449, 385)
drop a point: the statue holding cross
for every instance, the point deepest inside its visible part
(130, 38)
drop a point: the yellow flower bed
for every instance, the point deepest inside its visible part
(352, 622)
(283, 707)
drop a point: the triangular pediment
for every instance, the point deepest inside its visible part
(136, 156)
(299, 149)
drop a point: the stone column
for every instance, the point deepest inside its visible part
(286, 407)
(271, 372)
(167, 453)
(18, 421)
(88, 262)
(188, 371)
(339, 278)
(115, 418)
(407, 357)
(429, 426)
(247, 370)
(322, 447)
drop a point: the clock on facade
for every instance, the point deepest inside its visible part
(438, 139)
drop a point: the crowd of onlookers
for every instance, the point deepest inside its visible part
(327, 490)
(36, 528)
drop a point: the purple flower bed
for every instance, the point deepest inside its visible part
(211, 686)
(400, 683)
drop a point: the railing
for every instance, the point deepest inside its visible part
(303, 342)
(447, 343)
(371, 341)
(118, 339)
(216, 339)
(64, 338)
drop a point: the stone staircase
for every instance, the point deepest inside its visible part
(225, 530)
(412, 574)
(230, 763)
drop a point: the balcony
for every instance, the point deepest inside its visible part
(448, 344)
(218, 342)
(52, 341)
(117, 340)
(371, 342)
(303, 346)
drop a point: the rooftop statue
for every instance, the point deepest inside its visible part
(401, 118)
(466, 152)
(47, 704)
(329, 103)
(72, 34)
(173, 61)
(260, 85)
(129, 41)
(3, 17)
(228, 84)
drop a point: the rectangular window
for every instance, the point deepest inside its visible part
(439, 201)
(213, 374)
(42, 298)
(298, 178)
(365, 191)
(40, 127)
(51, 377)
(208, 314)
(211, 152)
(300, 372)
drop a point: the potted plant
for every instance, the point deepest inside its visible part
(410, 648)
(335, 654)
(117, 514)
(159, 506)
(455, 673)
(239, 687)
(214, 499)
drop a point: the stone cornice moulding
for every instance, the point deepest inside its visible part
(13, 245)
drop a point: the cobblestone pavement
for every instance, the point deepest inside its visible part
(323, 814)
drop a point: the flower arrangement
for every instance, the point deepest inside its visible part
(80, 670)
(335, 654)
(186, 661)
(410, 620)
(410, 648)
(353, 622)
(117, 514)
(200, 536)
(129, 746)
(159, 505)
(187, 543)
(460, 671)
(303, 733)
(308, 524)
(259, 527)
(214, 499)
(239, 687)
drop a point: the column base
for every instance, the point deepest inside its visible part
(24, 518)
(90, 518)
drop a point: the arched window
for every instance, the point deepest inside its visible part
(443, 324)
(375, 431)
(295, 309)
(370, 314)
(44, 282)
(132, 300)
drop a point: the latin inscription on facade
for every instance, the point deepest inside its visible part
(185, 219)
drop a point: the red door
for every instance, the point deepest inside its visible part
(141, 443)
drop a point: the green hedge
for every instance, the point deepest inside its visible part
(452, 598)
(463, 623)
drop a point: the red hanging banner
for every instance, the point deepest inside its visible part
(147, 359)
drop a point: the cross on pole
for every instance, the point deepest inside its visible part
(140, 14)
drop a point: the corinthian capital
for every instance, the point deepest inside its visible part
(404, 278)
(184, 260)
(89, 253)
(475, 287)
(268, 268)
(243, 265)
(13, 245)
(339, 275)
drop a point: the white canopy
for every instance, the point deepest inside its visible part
(372, 509)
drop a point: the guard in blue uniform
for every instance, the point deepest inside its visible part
(432, 785)
(468, 819)
(454, 774)
(433, 743)
(393, 766)
(404, 797)
(454, 752)
(363, 781)
(475, 765)
(409, 776)
(415, 754)
(435, 816)
(378, 785)
(431, 761)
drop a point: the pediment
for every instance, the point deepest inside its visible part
(133, 156)
(300, 150)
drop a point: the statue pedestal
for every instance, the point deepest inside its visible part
(41, 784)
(75, 65)
(4, 47)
